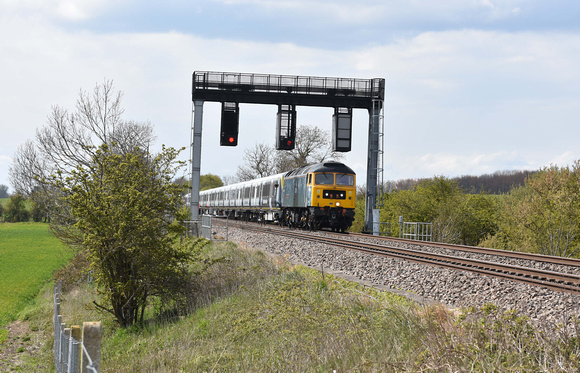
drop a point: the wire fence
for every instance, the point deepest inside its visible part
(75, 350)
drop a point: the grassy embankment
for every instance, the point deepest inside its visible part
(254, 314)
(29, 255)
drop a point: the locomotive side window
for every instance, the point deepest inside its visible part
(344, 179)
(324, 179)
(309, 178)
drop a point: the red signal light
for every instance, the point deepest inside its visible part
(289, 143)
(231, 139)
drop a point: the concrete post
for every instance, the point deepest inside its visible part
(92, 343)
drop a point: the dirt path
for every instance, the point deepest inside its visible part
(21, 342)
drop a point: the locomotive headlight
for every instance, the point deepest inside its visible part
(338, 203)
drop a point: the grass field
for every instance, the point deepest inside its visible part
(29, 255)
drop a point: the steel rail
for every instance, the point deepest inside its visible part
(558, 281)
(482, 250)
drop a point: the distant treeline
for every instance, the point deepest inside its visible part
(500, 182)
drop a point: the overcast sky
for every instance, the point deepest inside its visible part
(472, 86)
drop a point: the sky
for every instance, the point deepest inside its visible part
(472, 86)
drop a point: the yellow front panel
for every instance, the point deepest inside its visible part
(316, 194)
(319, 200)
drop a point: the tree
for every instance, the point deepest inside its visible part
(260, 162)
(126, 210)
(38, 211)
(209, 181)
(106, 194)
(313, 145)
(3, 191)
(70, 138)
(456, 217)
(544, 216)
(15, 210)
(480, 218)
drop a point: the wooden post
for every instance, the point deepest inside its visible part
(92, 343)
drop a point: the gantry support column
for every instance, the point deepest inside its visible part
(196, 160)
(372, 219)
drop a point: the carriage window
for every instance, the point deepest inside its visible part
(266, 191)
(324, 179)
(344, 179)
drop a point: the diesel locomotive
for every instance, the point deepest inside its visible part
(311, 197)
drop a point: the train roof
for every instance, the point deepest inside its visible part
(244, 183)
(330, 166)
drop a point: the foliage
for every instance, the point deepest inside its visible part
(500, 182)
(126, 207)
(209, 181)
(264, 316)
(480, 213)
(457, 217)
(38, 211)
(30, 248)
(15, 210)
(544, 215)
(70, 138)
(4, 191)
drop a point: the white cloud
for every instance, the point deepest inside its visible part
(457, 102)
(63, 9)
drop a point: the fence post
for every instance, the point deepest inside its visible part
(73, 349)
(56, 323)
(65, 348)
(62, 346)
(57, 338)
(92, 343)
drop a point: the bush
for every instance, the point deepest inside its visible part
(15, 210)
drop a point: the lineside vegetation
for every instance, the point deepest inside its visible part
(542, 216)
(251, 313)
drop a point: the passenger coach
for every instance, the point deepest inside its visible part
(316, 196)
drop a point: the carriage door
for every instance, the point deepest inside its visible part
(295, 199)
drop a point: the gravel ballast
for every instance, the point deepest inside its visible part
(452, 288)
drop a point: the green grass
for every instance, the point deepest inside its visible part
(29, 255)
(253, 314)
(250, 313)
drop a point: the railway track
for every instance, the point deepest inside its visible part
(558, 281)
(482, 250)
